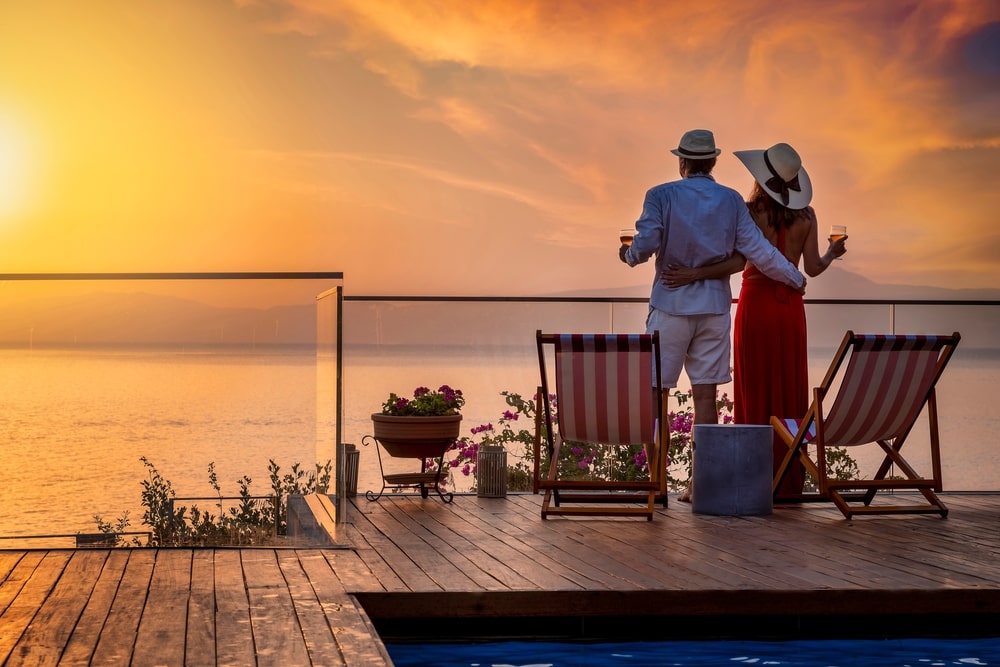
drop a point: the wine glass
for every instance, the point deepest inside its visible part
(626, 236)
(837, 232)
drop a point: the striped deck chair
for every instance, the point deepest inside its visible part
(888, 381)
(607, 395)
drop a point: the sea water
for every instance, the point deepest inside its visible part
(76, 423)
(910, 652)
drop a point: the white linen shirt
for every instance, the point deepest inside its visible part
(695, 222)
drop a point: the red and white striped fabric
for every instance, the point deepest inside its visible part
(604, 384)
(884, 388)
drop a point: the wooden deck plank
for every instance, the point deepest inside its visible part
(722, 540)
(300, 606)
(861, 568)
(862, 555)
(682, 551)
(421, 546)
(355, 637)
(446, 556)
(117, 639)
(199, 650)
(659, 561)
(543, 558)
(234, 639)
(276, 629)
(48, 634)
(485, 569)
(492, 560)
(31, 582)
(170, 586)
(587, 556)
(548, 557)
(83, 642)
(906, 553)
(8, 561)
(379, 534)
(380, 573)
(321, 645)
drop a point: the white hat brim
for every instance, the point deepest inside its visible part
(754, 162)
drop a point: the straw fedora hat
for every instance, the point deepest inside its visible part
(697, 145)
(779, 171)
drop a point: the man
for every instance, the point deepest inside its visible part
(694, 222)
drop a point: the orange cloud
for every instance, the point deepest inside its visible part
(284, 133)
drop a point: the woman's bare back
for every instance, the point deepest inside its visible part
(801, 240)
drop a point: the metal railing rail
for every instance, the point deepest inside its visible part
(179, 275)
(612, 300)
(642, 299)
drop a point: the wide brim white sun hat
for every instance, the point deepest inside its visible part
(779, 171)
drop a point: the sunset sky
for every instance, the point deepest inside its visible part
(448, 147)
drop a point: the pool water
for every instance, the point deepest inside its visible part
(795, 653)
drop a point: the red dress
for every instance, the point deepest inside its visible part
(770, 366)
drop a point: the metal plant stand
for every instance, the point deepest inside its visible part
(427, 480)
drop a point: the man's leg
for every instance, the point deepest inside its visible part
(704, 396)
(675, 335)
(704, 413)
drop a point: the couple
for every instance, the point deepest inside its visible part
(701, 232)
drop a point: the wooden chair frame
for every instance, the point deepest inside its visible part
(889, 381)
(614, 352)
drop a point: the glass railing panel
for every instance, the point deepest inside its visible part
(486, 347)
(184, 370)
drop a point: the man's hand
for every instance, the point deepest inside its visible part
(621, 253)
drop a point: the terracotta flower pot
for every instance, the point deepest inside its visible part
(416, 437)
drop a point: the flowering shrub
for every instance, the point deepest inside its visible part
(579, 461)
(466, 450)
(425, 403)
(576, 461)
(839, 463)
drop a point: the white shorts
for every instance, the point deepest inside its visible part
(700, 344)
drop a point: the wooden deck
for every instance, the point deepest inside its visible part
(419, 565)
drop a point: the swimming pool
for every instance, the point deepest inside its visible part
(910, 652)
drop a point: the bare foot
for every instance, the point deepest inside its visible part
(686, 496)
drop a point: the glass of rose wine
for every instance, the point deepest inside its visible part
(837, 232)
(626, 236)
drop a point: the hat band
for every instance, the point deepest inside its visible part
(681, 149)
(780, 185)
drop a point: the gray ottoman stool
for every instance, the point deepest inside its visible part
(733, 469)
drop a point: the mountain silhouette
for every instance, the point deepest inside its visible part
(139, 318)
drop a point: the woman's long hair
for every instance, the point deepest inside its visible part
(764, 206)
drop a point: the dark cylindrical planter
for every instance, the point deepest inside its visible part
(491, 472)
(732, 469)
(351, 459)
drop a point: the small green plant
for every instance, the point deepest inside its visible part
(157, 496)
(297, 481)
(114, 530)
(252, 520)
(839, 465)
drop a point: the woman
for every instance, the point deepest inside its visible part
(771, 372)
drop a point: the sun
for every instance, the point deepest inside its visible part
(16, 167)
